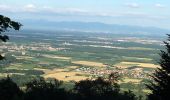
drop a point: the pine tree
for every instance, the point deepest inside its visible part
(160, 87)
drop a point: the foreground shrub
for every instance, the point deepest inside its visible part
(100, 89)
(43, 90)
(40, 89)
(9, 90)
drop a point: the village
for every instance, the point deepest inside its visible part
(131, 73)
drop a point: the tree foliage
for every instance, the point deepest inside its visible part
(7, 24)
(41, 89)
(101, 89)
(9, 90)
(160, 87)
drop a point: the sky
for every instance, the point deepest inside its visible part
(152, 13)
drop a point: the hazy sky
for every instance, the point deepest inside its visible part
(126, 12)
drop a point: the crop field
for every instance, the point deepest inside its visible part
(142, 65)
(65, 75)
(74, 56)
(89, 63)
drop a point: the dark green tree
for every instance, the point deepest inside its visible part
(160, 86)
(101, 89)
(7, 24)
(114, 77)
(40, 89)
(94, 88)
(9, 90)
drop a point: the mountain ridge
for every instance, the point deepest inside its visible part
(92, 27)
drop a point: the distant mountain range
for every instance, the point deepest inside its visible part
(92, 27)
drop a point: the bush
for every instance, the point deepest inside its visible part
(9, 90)
(43, 90)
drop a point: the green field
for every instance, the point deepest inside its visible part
(40, 54)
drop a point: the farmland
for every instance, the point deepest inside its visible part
(73, 56)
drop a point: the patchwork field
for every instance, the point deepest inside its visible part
(132, 64)
(65, 75)
(56, 57)
(89, 63)
(74, 56)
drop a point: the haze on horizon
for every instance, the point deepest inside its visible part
(152, 13)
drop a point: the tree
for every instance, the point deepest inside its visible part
(160, 86)
(40, 89)
(94, 89)
(114, 77)
(101, 89)
(5, 25)
(9, 90)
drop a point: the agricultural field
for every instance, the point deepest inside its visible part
(65, 75)
(73, 56)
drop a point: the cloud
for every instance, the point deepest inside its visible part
(76, 12)
(159, 5)
(4, 8)
(30, 8)
(63, 10)
(18, 9)
(132, 5)
(140, 15)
